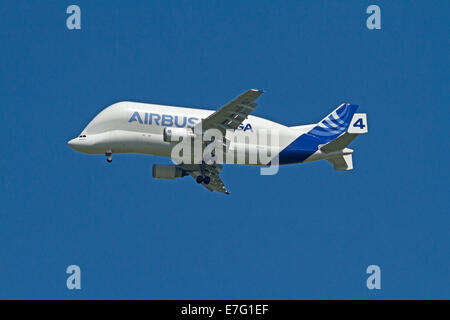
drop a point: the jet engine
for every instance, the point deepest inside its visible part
(167, 171)
(174, 134)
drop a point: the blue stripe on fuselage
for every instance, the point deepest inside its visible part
(299, 150)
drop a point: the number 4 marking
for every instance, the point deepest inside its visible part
(359, 123)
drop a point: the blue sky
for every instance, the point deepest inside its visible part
(307, 233)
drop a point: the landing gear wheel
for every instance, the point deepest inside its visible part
(199, 179)
(206, 180)
(108, 154)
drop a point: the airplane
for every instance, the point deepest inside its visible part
(142, 128)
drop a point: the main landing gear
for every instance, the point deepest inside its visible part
(108, 155)
(204, 179)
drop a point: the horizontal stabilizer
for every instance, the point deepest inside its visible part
(339, 143)
(342, 163)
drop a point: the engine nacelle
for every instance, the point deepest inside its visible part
(167, 171)
(171, 134)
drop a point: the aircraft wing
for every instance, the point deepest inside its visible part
(212, 171)
(231, 115)
(228, 117)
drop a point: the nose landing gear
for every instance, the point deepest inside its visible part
(108, 155)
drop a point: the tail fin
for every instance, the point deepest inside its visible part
(330, 136)
(344, 161)
(335, 124)
(336, 131)
(358, 125)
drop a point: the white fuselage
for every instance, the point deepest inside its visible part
(132, 127)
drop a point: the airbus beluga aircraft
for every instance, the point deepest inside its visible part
(132, 127)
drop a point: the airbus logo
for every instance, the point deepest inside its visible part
(167, 120)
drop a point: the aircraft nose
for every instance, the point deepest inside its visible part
(72, 143)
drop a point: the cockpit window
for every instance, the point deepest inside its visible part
(82, 136)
